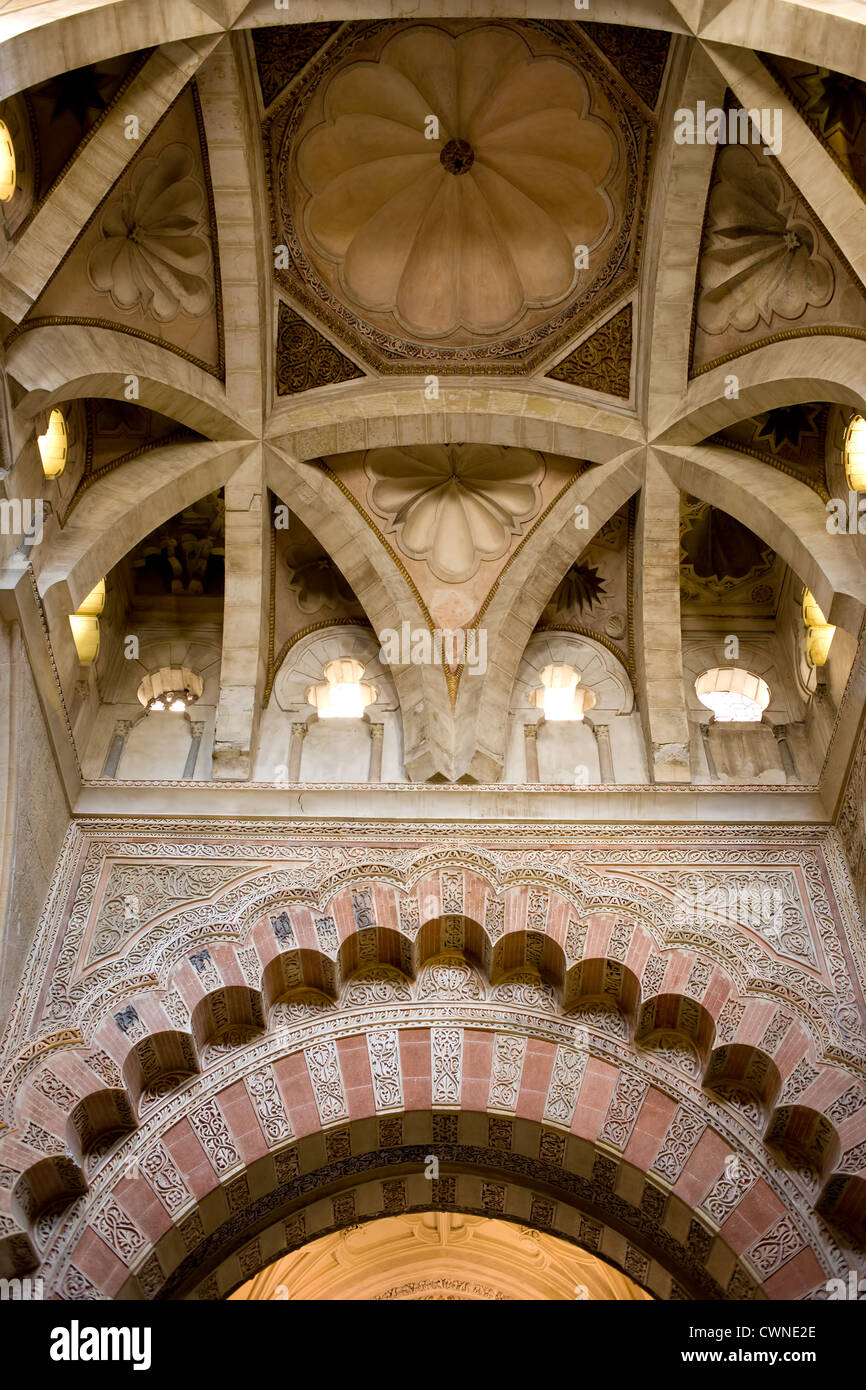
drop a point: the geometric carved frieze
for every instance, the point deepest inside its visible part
(205, 967)
(509, 1053)
(268, 1105)
(623, 1109)
(323, 1065)
(623, 877)
(446, 1045)
(729, 1021)
(305, 358)
(729, 1189)
(216, 1140)
(828, 1010)
(251, 966)
(603, 362)
(384, 1053)
(135, 893)
(851, 1102)
(562, 1091)
(500, 1141)
(766, 902)
(776, 1247)
(683, 1133)
(119, 1231)
(78, 1288)
(161, 1171)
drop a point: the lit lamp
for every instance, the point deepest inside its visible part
(819, 633)
(171, 688)
(8, 171)
(560, 696)
(734, 695)
(344, 695)
(85, 625)
(53, 445)
(855, 454)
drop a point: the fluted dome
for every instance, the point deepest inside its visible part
(466, 231)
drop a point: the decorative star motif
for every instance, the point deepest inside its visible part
(789, 424)
(836, 102)
(581, 588)
(79, 93)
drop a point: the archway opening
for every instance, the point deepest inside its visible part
(439, 1256)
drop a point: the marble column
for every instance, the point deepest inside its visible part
(712, 771)
(605, 757)
(530, 745)
(299, 733)
(196, 729)
(377, 738)
(780, 732)
(118, 743)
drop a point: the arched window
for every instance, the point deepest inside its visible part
(172, 688)
(734, 695)
(561, 695)
(343, 695)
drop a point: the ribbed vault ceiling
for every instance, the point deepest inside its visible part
(439, 286)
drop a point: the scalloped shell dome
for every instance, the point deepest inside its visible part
(470, 229)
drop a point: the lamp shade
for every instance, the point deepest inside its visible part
(85, 624)
(95, 601)
(855, 454)
(85, 635)
(53, 445)
(8, 168)
(819, 633)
